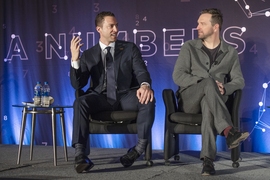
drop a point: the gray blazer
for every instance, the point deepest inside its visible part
(193, 65)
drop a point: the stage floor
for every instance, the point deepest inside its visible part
(108, 167)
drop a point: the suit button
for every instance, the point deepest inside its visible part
(207, 63)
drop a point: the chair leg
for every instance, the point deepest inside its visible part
(87, 148)
(148, 152)
(235, 156)
(171, 146)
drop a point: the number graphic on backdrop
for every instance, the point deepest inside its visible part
(25, 72)
(40, 46)
(145, 18)
(54, 10)
(145, 62)
(72, 31)
(96, 7)
(137, 22)
(253, 49)
(137, 19)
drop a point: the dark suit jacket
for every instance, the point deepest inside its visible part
(129, 68)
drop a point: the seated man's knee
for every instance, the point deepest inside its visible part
(209, 81)
(151, 105)
(210, 84)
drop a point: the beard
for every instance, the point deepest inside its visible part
(204, 36)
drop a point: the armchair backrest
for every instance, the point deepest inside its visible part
(78, 93)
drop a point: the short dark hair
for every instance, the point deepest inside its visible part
(100, 17)
(217, 17)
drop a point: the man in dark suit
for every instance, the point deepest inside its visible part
(129, 78)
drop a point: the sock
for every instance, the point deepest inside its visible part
(226, 131)
(205, 157)
(141, 145)
(79, 149)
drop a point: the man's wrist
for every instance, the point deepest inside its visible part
(75, 64)
(145, 84)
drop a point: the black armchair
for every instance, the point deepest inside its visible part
(116, 122)
(183, 123)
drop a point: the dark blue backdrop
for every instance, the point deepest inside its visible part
(35, 39)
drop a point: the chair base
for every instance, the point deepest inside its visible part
(176, 157)
(149, 163)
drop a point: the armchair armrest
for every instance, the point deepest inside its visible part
(169, 101)
(170, 105)
(79, 92)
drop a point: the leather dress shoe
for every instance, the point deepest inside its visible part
(83, 164)
(208, 167)
(235, 137)
(128, 159)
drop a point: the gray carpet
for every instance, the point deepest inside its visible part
(107, 165)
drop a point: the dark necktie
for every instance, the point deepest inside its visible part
(111, 91)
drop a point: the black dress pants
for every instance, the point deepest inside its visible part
(93, 103)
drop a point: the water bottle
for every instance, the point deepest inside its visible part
(46, 95)
(37, 93)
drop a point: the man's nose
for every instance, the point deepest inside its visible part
(115, 28)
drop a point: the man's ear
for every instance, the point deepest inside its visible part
(98, 28)
(216, 27)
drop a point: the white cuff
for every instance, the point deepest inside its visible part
(75, 64)
(145, 83)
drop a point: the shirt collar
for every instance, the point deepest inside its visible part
(103, 46)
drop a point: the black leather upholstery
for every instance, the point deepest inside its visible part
(183, 123)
